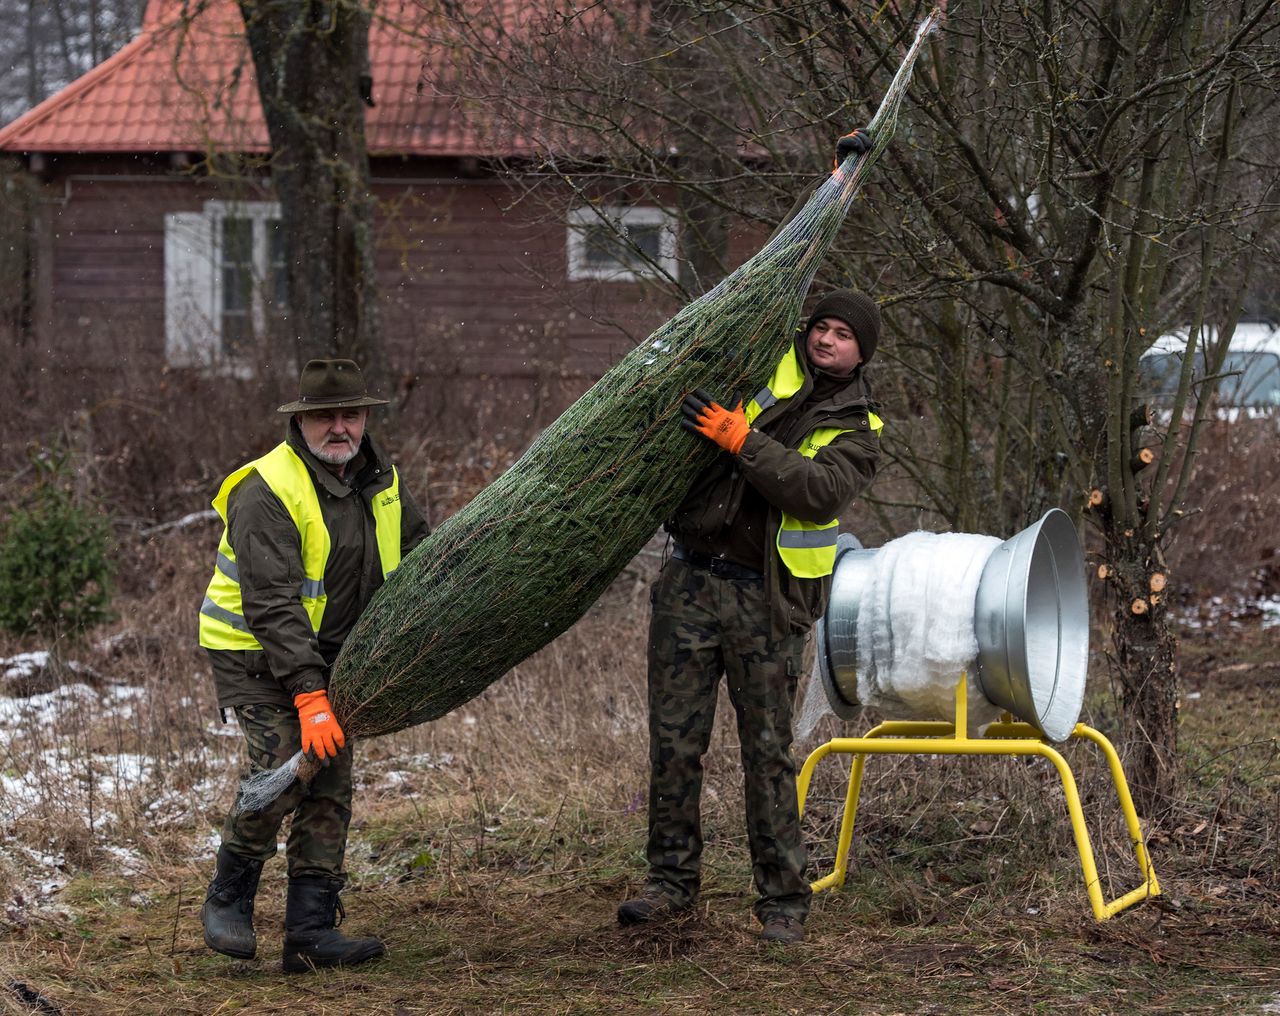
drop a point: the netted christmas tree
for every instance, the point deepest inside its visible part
(529, 555)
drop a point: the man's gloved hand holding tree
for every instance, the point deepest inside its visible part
(728, 428)
(321, 735)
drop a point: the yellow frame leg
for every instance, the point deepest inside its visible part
(1006, 737)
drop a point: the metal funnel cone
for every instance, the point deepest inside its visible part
(837, 630)
(1031, 622)
(1031, 617)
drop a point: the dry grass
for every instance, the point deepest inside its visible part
(491, 848)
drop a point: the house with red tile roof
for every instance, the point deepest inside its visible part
(157, 239)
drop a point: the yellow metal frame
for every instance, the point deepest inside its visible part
(1006, 737)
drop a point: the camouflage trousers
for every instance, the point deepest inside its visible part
(321, 811)
(704, 626)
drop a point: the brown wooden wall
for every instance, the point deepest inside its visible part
(473, 293)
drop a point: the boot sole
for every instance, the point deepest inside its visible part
(238, 954)
(296, 963)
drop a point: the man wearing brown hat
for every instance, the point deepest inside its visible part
(312, 529)
(750, 571)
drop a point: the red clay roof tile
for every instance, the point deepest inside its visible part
(187, 86)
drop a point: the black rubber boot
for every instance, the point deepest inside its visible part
(227, 914)
(311, 916)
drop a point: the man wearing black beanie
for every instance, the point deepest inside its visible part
(750, 571)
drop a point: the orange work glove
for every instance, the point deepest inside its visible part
(320, 731)
(726, 427)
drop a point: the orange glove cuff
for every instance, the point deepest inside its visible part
(726, 427)
(321, 734)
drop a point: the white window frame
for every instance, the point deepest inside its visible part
(621, 217)
(193, 282)
(260, 212)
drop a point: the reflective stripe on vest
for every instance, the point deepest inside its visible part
(808, 549)
(222, 623)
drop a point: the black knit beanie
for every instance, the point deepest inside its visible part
(855, 309)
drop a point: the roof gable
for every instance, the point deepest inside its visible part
(189, 85)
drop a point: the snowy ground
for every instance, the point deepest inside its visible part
(117, 798)
(56, 773)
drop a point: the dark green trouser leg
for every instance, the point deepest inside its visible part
(762, 677)
(321, 811)
(684, 672)
(704, 626)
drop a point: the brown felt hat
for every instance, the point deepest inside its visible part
(855, 309)
(331, 384)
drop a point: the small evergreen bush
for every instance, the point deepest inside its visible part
(55, 566)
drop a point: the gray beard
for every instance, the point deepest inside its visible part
(332, 457)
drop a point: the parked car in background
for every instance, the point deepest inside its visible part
(1251, 386)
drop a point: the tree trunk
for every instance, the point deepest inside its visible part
(311, 62)
(1146, 666)
(702, 137)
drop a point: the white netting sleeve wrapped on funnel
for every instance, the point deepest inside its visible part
(916, 627)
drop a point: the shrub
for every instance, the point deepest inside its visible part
(55, 566)
(1227, 545)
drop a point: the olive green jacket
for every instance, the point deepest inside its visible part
(293, 657)
(814, 490)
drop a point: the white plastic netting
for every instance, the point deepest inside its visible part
(916, 632)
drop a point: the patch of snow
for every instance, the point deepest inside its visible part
(24, 664)
(42, 710)
(126, 860)
(24, 792)
(125, 772)
(59, 778)
(47, 871)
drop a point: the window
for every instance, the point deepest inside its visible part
(224, 282)
(620, 244)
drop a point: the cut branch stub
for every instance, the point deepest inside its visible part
(1138, 606)
(1143, 458)
(1157, 582)
(1104, 571)
(1097, 498)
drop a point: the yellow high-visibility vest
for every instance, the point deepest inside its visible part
(808, 549)
(222, 623)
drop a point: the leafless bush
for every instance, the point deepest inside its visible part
(1227, 544)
